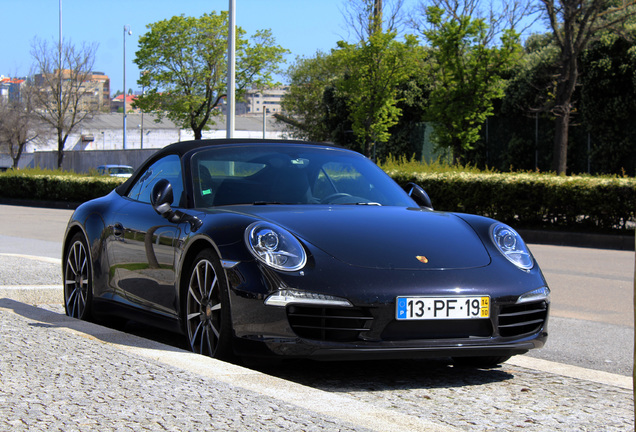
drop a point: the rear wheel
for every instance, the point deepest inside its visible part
(77, 279)
(484, 362)
(207, 313)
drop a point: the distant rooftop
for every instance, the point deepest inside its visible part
(115, 120)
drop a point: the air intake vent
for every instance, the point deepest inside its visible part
(527, 318)
(329, 323)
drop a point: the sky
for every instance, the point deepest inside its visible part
(301, 26)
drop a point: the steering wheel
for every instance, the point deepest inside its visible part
(334, 196)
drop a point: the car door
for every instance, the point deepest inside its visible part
(142, 243)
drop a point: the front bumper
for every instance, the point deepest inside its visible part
(369, 330)
(374, 333)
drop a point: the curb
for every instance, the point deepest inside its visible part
(588, 240)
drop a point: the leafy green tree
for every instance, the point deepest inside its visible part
(373, 71)
(315, 109)
(467, 75)
(574, 23)
(608, 103)
(305, 105)
(184, 67)
(407, 136)
(520, 134)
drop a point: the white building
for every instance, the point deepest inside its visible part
(269, 99)
(105, 132)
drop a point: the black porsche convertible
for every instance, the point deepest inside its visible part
(293, 249)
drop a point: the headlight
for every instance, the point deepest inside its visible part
(275, 247)
(511, 246)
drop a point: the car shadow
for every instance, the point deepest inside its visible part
(379, 375)
(351, 376)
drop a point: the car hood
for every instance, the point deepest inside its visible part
(382, 237)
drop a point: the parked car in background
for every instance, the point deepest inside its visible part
(295, 249)
(116, 170)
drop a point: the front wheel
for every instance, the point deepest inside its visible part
(207, 313)
(77, 279)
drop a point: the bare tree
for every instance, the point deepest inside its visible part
(365, 17)
(18, 125)
(62, 73)
(574, 23)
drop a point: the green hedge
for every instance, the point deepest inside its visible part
(575, 203)
(64, 188)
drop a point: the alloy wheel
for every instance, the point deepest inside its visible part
(204, 307)
(76, 280)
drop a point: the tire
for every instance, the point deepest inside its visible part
(483, 362)
(207, 317)
(78, 284)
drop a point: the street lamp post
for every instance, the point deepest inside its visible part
(265, 112)
(231, 65)
(129, 31)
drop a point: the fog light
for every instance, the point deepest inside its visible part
(285, 297)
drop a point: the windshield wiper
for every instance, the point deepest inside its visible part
(362, 203)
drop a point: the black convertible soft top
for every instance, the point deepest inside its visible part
(182, 147)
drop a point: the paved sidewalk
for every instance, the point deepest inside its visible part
(58, 373)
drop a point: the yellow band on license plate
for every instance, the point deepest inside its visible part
(439, 308)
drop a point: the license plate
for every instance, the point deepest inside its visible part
(438, 308)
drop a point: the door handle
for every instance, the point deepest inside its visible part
(118, 230)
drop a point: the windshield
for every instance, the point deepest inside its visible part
(120, 170)
(290, 174)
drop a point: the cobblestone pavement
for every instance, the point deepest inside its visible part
(507, 399)
(62, 374)
(22, 270)
(54, 378)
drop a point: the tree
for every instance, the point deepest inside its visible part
(374, 68)
(574, 23)
(305, 104)
(467, 71)
(63, 73)
(365, 17)
(18, 125)
(184, 66)
(608, 103)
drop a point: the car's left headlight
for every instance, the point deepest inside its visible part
(510, 244)
(275, 247)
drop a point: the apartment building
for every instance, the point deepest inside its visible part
(267, 99)
(95, 90)
(10, 88)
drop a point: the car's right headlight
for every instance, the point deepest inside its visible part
(275, 247)
(511, 245)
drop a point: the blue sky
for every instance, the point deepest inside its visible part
(302, 26)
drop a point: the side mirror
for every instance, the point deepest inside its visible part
(161, 200)
(162, 197)
(419, 195)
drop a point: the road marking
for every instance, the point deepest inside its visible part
(49, 260)
(30, 287)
